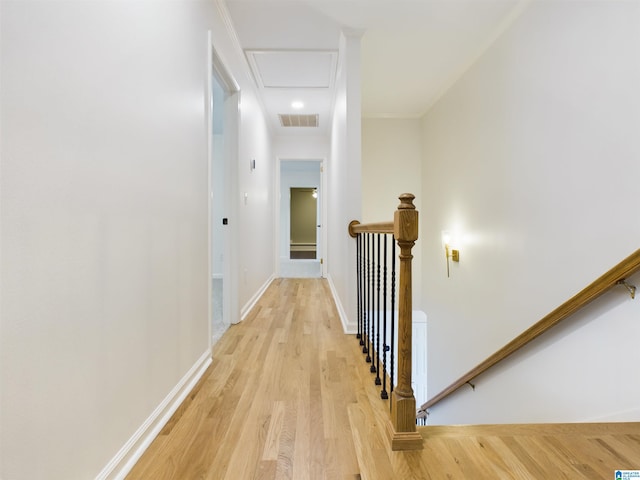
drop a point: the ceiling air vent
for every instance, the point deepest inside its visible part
(287, 120)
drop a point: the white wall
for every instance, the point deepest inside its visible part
(255, 247)
(344, 181)
(392, 165)
(532, 157)
(301, 147)
(104, 221)
(104, 225)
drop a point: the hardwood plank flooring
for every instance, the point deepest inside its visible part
(288, 396)
(530, 452)
(273, 404)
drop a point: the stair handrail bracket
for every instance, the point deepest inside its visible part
(617, 275)
(402, 426)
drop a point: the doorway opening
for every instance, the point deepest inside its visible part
(223, 135)
(300, 245)
(303, 208)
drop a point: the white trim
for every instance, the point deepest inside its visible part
(235, 43)
(324, 242)
(223, 10)
(130, 453)
(348, 327)
(252, 55)
(395, 116)
(276, 210)
(209, 129)
(303, 247)
(217, 276)
(630, 415)
(252, 302)
(232, 145)
(321, 242)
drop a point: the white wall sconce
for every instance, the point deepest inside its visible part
(450, 252)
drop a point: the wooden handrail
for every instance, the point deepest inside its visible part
(402, 426)
(616, 275)
(355, 227)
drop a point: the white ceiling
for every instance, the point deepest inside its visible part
(412, 50)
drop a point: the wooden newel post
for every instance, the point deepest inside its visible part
(402, 427)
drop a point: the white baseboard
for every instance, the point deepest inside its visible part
(302, 247)
(348, 327)
(631, 415)
(130, 453)
(252, 302)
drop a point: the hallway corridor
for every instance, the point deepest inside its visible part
(274, 402)
(289, 397)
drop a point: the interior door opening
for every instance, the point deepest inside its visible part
(300, 243)
(303, 205)
(218, 207)
(223, 131)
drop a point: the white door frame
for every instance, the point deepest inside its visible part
(232, 120)
(322, 205)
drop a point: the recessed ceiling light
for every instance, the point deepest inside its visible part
(297, 105)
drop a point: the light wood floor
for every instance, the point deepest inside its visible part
(289, 397)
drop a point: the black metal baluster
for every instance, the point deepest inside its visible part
(385, 347)
(358, 309)
(374, 313)
(365, 343)
(362, 276)
(358, 284)
(370, 298)
(393, 313)
(378, 382)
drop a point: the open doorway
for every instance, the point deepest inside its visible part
(300, 233)
(303, 231)
(223, 129)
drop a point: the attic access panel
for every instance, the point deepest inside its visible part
(293, 68)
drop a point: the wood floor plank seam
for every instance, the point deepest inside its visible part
(289, 396)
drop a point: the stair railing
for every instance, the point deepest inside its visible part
(615, 276)
(374, 320)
